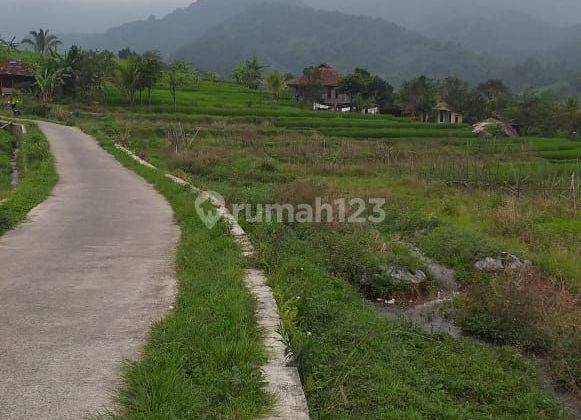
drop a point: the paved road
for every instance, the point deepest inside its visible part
(80, 284)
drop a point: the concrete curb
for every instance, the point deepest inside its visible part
(13, 128)
(283, 382)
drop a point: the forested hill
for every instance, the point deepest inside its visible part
(168, 33)
(512, 35)
(215, 34)
(291, 37)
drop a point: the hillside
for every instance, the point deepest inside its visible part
(420, 14)
(290, 38)
(508, 34)
(165, 34)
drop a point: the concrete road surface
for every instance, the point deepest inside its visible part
(81, 283)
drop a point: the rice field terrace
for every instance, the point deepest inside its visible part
(450, 196)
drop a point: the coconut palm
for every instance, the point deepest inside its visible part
(42, 41)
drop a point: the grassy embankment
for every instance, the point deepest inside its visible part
(447, 193)
(204, 358)
(6, 151)
(37, 176)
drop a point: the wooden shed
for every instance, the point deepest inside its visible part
(14, 76)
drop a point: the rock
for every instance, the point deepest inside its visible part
(514, 263)
(405, 276)
(489, 264)
(444, 276)
(506, 262)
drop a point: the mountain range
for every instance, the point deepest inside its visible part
(290, 35)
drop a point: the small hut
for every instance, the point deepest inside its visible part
(446, 115)
(14, 76)
(329, 80)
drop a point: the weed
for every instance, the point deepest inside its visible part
(37, 178)
(531, 312)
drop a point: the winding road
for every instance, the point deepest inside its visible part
(81, 282)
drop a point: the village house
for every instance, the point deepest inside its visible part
(14, 76)
(329, 79)
(446, 115)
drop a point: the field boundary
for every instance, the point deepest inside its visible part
(283, 382)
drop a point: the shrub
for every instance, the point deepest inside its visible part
(531, 312)
(39, 110)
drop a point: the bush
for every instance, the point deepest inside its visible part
(39, 110)
(531, 312)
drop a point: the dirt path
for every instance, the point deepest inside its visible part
(80, 283)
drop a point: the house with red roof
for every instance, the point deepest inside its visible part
(328, 78)
(14, 76)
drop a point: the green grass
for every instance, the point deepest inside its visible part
(203, 359)
(37, 178)
(356, 365)
(6, 150)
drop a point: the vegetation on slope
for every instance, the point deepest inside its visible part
(274, 32)
(37, 178)
(6, 151)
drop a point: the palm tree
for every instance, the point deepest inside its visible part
(42, 41)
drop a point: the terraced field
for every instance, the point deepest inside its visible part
(458, 199)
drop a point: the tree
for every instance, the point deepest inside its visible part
(178, 75)
(367, 90)
(455, 92)
(538, 114)
(275, 83)
(492, 89)
(311, 84)
(49, 73)
(248, 73)
(89, 72)
(42, 41)
(211, 76)
(126, 53)
(151, 66)
(129, 77)
(421, 94)
(494, 98)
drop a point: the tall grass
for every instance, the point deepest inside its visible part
(37, 178)
(6, 151)
(203, 360)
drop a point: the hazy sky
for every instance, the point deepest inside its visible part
(65, 16)
(68, 16)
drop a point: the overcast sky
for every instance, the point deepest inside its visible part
(66, 16)
(70, 16)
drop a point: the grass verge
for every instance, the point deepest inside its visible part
(203, 360)
(37, 179)
(6, 150)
